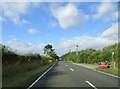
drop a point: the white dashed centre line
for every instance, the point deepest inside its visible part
(66, 65)
(71, 69)
(91, 84)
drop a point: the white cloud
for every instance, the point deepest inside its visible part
(68, 16)
(111, 33)
(109, 36)
(85, 42)
(33, 31)
(23, 47)
(14, 10)
(107, 11)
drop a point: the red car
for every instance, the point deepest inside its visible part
(103, 65)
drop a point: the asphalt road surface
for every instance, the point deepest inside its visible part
(65, 74)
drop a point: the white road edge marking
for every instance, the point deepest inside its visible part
(108, 74)
(41, 76)
(91, 84)
(71, 69)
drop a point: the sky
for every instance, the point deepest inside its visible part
(28, 26)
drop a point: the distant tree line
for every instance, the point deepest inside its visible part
(94, 56)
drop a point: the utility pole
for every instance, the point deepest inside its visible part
(77, 50)
(113, 59)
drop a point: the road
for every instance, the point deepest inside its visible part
(65, 74)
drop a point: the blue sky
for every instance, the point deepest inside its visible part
(29, 26)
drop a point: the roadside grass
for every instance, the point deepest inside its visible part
(24, 79)
(110, 70)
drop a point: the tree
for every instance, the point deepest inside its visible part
(49, 51)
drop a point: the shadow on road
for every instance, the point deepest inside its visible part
(52, 77)
(56, 73)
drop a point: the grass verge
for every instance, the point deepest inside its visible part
(109, 70)
(24, 79)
